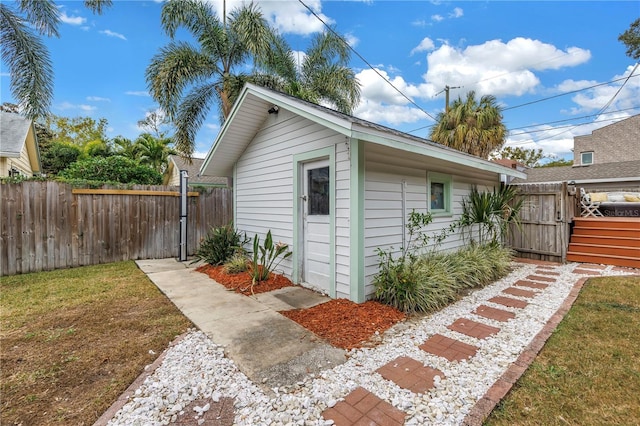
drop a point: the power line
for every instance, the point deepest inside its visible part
(365, 61)
(572, 91)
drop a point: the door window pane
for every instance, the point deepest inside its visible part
(318, 191)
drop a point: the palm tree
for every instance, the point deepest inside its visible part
(323, 75)
(471, 126)
(153, 152)
(207, 70)
(210, 71)
(26, 56)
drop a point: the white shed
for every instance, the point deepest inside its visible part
(335, 187)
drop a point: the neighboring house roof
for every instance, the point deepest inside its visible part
(512, 164)
(177, 163)
(252, 108)
(607, 172)
(14, 129)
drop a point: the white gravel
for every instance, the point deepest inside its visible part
(197, 368)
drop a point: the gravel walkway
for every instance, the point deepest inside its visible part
(195, 368)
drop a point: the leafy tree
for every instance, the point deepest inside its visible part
(97, 148)
(26, 56)
(153, 152)
(78, 130)
(155, 122)
(557, 163)
(471, 126)
(124, 147)
(58, 156)
(112, 169)
(527, 157)
(631, 39)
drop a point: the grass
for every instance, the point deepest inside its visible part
(588, 373)
(71, 341)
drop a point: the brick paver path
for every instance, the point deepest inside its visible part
(451, 349)
(361, 407)
(473, 328)
(550, 273)
(579, 271)
(410, 374)
(541, 278)
(493, 313)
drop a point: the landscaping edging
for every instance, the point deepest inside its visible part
(503, 385)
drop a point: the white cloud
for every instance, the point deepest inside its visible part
(457, 13)
(437, 18)
(425, 45)
(69, 106)
(419, 23)
(5, 74)
(214, 127)
(137, 93)
(498, 68)
(98, 99)
(287, 16)
(113, 34)
(72, 20)
(351, 39)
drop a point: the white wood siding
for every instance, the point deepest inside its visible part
(263, 186)
(386, 173)
(22, 163)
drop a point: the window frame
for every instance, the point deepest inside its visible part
(446, 181)
(582, 154)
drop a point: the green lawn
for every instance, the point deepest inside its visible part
(588, 373)
(71, 341)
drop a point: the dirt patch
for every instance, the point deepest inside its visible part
(346, 324)
(241, 283)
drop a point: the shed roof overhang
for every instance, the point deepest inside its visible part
(252, 109)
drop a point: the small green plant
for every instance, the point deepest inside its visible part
(265, 257)
(236, 264)
(220, 245)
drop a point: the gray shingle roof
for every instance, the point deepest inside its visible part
(612, 171)
(13, 133)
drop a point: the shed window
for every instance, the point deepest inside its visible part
(319, 191)
(586, 158)
(439, 193)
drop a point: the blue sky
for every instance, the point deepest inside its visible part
(518, 51)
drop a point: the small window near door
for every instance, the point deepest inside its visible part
(586, 158)
(439, 193)
(319, 191)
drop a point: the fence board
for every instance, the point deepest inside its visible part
(46, 225)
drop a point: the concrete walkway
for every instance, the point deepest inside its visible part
(268, 347)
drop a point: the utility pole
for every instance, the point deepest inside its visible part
(446, 90)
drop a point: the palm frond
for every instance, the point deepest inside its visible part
(28, 61)
(191, 114)
(42, 14)
(97, 6)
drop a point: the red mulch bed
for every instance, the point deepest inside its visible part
(241, 283)
(346, 324)
(342, 323)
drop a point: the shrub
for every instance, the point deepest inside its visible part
(431, 281)
(220, 245)
(265, 257)
(236, 264)
(112, 169)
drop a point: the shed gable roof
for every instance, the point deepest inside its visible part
(193, 170)
(251, 110)
(14, 129)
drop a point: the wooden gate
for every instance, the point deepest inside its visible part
(546, 213)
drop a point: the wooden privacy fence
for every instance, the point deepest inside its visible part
(50, 225)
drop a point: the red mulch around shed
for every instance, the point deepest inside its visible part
(342, 323)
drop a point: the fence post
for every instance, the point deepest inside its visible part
(184, 179)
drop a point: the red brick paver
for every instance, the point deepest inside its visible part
(592, 266)
(531, 284)
(631, 271)
(550, 273)
(519, 292)
(361, 407)
(410, 374)
(510, 302)
(451, 349)
(493, 313)
(579, 271)
(473, 328)
(540, 278)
